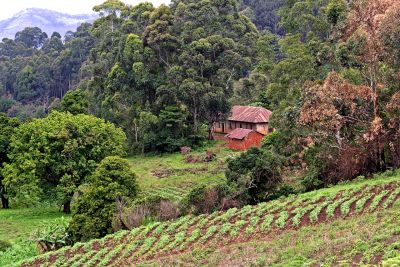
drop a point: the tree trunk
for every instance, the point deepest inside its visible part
(67, 207)
(5, 202)
(211, 131)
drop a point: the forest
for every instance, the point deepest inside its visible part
(146, 80)
(165, 77)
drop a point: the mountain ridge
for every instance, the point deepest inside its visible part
(47, 20)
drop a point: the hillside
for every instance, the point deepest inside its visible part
(172, 177)
(47, 20)
(352, 223)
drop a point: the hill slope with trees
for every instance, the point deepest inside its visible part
(153, 80)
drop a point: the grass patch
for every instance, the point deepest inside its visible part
(18, 224)
(182, 176)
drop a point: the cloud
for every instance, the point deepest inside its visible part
(65, 6)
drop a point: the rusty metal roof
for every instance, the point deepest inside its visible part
(239, 133)
(249, 114)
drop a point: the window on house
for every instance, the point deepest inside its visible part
(240, 125)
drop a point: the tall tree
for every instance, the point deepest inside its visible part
(57, 154)
(8, 126)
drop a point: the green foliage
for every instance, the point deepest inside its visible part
(4, 245)
(40, 69)
(256, 173)
(57, 154)
(395, 261)
(207, 198)
(19, 251)
(52, 235)
(93, 209)
(281, 220)
(266, 224)
(31, 37)
(75, 102)
(336, 11)
(172, 129)
(7, 128)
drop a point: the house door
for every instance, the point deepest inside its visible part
(223, 127)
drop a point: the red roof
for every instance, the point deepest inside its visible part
(239, 133)
(250, 114)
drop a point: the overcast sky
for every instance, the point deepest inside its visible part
(10, 7)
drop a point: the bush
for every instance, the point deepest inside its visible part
(256, 174)
(144, 211)
(311, 182)
(284, 191)
(4, 245)
(94, 208)
(208, 198)
(52, 236)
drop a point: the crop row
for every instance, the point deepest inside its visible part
(158, 239)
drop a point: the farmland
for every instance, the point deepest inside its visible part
(171, 177)
(355, 209)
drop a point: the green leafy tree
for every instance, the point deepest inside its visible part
(57, 154)
(171, 129)
(7, 128)
(75, 102)
(256, 174)
(31, 37)
(96, 204)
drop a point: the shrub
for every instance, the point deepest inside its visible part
(93, 210)
(207, 198)
(256, 174)
(284, 191)
(143, 211)
(311, 182)
(52, 236)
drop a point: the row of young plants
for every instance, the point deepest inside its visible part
(393, 262)
(163, 238)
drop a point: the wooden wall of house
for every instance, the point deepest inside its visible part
(220, 127)
(227, 126)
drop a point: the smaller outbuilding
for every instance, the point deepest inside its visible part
(243, 139)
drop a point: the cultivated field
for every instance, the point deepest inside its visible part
(339, 206)
(172, 177)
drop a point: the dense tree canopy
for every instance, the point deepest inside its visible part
(165, 74)
(37, 70)
(95, 206)
(54, 155)
(7, 128)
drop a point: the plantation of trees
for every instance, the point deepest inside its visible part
(81, 112)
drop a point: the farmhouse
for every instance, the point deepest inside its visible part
(245, 126)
